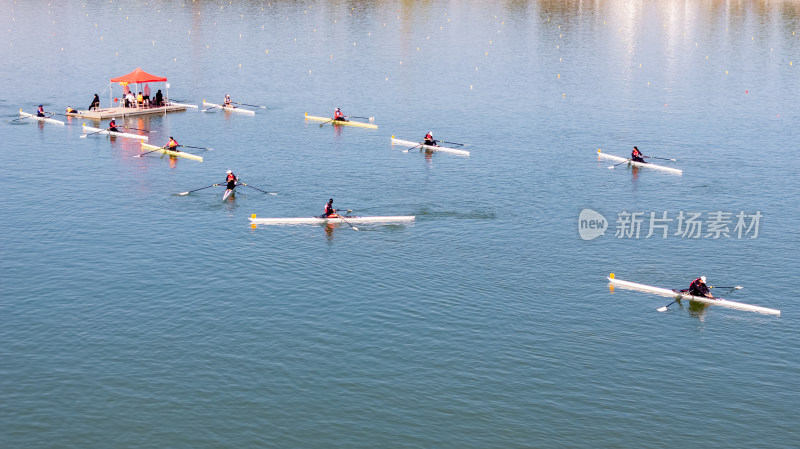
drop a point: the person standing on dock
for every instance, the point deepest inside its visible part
(637, 155)
(429, 139)
(40, 111)
(338, 116)
(112, 125)
(329, 210)
(95, 103)
(147, 94)
(698, 287)
(231, 179)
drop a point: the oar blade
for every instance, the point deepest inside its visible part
(662, 309)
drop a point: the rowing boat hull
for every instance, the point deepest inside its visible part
(339, 122)
(228, 192)
(41, 119)
(89, 129)
(208, 105)
(319, 220)
(638, 164)
(148, 147)
(674, 294)
(429, 147)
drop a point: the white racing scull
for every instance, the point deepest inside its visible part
(209, 106)
(638, 164)
(429, 147)
(320, 220)
(91, 130)
(678, 295)
(41, 119)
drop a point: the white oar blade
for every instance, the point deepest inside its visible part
(611, 167)
(183, 193)
(662, 309)
(272, 193)
(83, 136)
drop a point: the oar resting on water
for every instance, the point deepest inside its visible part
(223, 184)
(623, 162)
(195, 190)
(153, 151)
(83, 136)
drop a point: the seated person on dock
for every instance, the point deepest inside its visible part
(637, 155)
(140, 99)
(95, 103)
(338, 116)
(159, 98)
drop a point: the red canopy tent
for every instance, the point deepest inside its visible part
(138, 76)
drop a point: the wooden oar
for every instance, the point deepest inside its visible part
(625, 161)
(195, 190)
(246, 185)
(199, 148)
(251, 105)
(83, 136)
(662, 158)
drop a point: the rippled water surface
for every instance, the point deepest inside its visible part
(133, 317)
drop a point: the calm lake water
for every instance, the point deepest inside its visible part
(132, 317)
